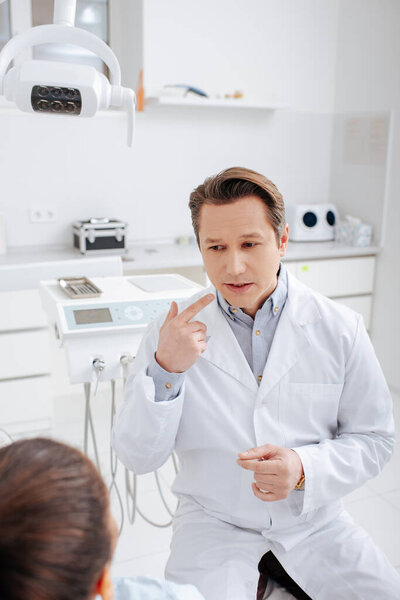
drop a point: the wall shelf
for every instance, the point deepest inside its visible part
(208, 102)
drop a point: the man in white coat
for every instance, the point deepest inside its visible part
(273, 399)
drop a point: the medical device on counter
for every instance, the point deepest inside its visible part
(61, 87)
(101, 335)
(311, 222)
(99, 234)
(111, 325)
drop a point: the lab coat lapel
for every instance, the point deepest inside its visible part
(291, 339)
(223, 349)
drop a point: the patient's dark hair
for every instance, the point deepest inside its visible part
(55, 535)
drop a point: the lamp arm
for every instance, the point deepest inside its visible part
(129, 105)
(59, 34)
(64, 12)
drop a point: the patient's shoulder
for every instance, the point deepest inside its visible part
(145, 588)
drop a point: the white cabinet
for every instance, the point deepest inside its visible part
(26, 406)
(26, 360)
(21, 309)
(338, 277)
(349, 281)
(24, 353)
(25, 394)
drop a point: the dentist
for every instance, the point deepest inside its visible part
(273, 399)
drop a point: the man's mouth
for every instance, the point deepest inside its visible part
(240, 288)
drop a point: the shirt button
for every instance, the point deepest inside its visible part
(168, 385)
(259, 377)
(276, 308)
(258, 332)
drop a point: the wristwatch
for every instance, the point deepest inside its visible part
(301, 483)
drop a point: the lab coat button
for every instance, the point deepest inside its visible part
(168, 385)
(276, 308)
(258, 332)
(234, 310)
(259, 377)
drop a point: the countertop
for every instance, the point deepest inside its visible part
(149, 255)
(28, 263)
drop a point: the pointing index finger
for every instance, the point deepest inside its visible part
(192, 310)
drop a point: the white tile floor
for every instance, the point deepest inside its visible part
(143, 549)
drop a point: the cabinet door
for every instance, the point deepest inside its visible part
(26, 406)
(24, 353)
(361, 304)
(338, 277)
(21, 309)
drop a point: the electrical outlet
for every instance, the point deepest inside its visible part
(43, 213)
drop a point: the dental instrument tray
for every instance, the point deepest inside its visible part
(79, 287)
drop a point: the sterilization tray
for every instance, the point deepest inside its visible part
(79, 287)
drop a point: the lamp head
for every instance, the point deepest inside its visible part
(55, 87)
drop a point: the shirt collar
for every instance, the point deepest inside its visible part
(274, 303)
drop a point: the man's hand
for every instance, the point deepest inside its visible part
(181, 340)
(276, 471)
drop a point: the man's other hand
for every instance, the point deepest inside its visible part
(276, 471)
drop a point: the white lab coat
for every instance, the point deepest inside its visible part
(322, 393)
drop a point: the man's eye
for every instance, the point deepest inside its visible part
(215, 247)
(249, 244)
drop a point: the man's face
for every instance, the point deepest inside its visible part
(240, 251)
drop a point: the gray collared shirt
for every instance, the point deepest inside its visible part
(254, 336)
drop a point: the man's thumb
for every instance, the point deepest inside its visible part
(266, 451)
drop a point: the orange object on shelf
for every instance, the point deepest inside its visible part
(140, 93)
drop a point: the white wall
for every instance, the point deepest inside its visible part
(367, 79)
(282, 51)
(84, 168)
(368, 54)
(386, 315)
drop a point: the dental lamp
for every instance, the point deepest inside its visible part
(55, 87)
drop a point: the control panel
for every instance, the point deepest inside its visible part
(114, 314)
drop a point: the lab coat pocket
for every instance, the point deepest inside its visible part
(308, 411)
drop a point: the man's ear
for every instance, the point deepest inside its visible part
(104, 586)
(284, 240)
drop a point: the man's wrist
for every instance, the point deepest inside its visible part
(162, 363)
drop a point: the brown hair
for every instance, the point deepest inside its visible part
(231, 185)
(55, 536)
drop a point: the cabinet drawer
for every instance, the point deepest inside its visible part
(338, 277)
(24, 353)
(26, 406)
(21, 310)
(362, 304)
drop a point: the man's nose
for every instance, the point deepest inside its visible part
(235, 264)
